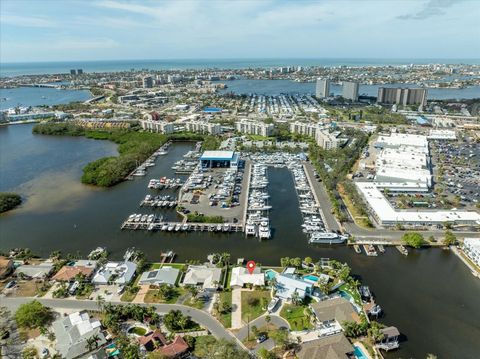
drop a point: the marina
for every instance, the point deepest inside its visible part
(141, 170)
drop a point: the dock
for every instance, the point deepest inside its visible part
(182, 227)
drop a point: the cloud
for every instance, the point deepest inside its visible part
(26, 21)
(430, 9)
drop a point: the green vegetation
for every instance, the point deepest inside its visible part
(175, 321)
(164, 294)
(354, 203)
(298, 316)
(33, 315)
(223, 308)
(413, 239)
(138, 331)
(30, 352)
(209, 142)
(450, 238)
(211, 348)
(9, 201)
(200, 218)
(130, 293)
(254, 304)
(115, 315)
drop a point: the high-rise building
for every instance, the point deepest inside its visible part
(79, 71)
(147, 82)
(322, 89)
(402, 96)
(350, 90)
(73, 72)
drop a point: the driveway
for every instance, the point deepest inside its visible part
(237, 308)
(276, 320)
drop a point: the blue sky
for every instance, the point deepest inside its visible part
(62, 30)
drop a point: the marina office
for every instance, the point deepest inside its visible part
(219, 159)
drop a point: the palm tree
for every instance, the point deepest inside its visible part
(92, 342)
(268, 319)
(225, 257)
(101, 303)
(295, 297)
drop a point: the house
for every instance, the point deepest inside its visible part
(164, 275)
(333, 347)
(36, 271)
(287, 284)
(206, 276)
(70, 273)
(6, 267)
(331, 313)
(115, 272)
(156, 341)
(72, 332)
(241, 276)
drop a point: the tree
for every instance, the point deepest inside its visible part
(268, 319)
(165, 291)
(92, 342)
(285, 261)
(193, 290)
(29, 353)
(431, 356)
(255, 330)
(33, 315)
(450, 239)
(308, 260)
(296, 262)
(296, 298)
(413, 239)
(374, 332)
(280, 337)
(211, 348)
(128, 348)
(265, 354)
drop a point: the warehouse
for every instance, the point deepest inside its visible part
(219, 159)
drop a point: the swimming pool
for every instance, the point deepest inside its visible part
(311, 278)
(270, 274)
(359, 353)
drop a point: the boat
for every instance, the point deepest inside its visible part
(185, 227)
(370, 250)
(381, 248)
(250, 229)
(365, 293)
(375, 311)
(327, 238)
(226, 227)
(357, 248)
(273, 303)
(178, 227)
(164, 227)
(170, 227)
(97, 253)
(402, 250)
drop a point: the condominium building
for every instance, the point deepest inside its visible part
(147, 82)
(304, 128)
(158, 126)
(471, 247)
(322, 88)
(402, 96)
(203, 127)
(350, 91)
(253, 127)
(327, 140)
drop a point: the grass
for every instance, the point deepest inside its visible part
(153, 297)
(193, 303)
(225, 318)
(251, 342)
(138, 331)
(128, 296)
(357, 212)
(353, 292)
(295, 316)
(229, 277)
(251, 311)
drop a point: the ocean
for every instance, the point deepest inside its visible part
(57, 67)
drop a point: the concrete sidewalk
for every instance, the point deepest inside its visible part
(237, 308)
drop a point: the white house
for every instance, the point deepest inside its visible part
(287, 284)
(117, 272)
(241, 276)
(164, 275)
(208, 277)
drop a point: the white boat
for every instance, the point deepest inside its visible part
(273, 303)
(327, 238)
(164, 227)
(250, 229)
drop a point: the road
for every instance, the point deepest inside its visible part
(362, 233)
(199, 316)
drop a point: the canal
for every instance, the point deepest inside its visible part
(430, 295)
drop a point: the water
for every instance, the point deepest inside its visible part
(36, 96)
(277, 87)
(430, 295)
(34, 68)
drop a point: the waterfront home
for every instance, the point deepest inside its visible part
(35, 271)
(390, 339)
(205, 276)
(6, 267)
(331, 313)
(471, 247)
(287, 284)
(69, 273)
(72, 333)
(115, 272)
(333, 347)
(241, 276)
(156, 342)
(164, 275)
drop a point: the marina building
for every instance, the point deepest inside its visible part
(350, 91)
(322, 88)
(328, 140)
(402, 96)
(158, 126)
(252, 127)
(219, 159)
(203, 127)
(386, 215)
(471, 247)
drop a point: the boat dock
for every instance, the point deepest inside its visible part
(182, 227)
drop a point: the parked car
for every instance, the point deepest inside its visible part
(11, 284)
(261, 338)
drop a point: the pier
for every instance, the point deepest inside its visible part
(182, 226)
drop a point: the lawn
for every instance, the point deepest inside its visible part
(153, 297)
(353, 292)
(252, 306)
(251, 342)
(295, 316)
(128, 295)
(225, 318)
(194, 304)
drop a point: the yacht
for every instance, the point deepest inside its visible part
(327, 238)
(250, 229)
(164, 227)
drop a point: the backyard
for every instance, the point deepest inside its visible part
(254, 304)
(296, 316)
